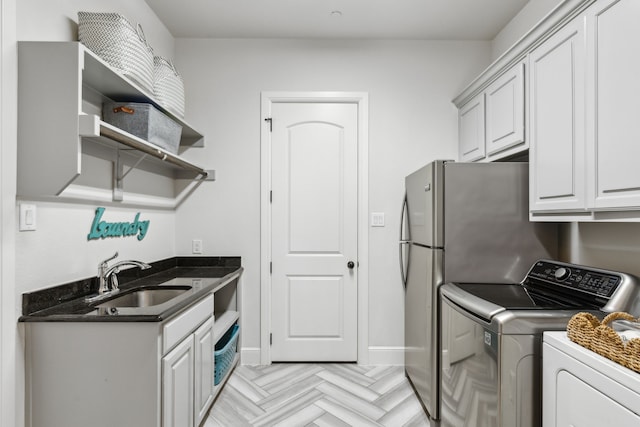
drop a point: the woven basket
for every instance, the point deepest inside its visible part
(581, 327)
(168, 86)
(123, 46)
(599, 337)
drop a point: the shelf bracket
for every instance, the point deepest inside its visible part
(119, 174)
(118, 177)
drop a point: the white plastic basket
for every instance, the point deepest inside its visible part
(123, 46)
(168, 86)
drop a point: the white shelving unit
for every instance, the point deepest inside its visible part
(226, 314)
(66, 150)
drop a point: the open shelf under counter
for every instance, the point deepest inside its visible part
(223, 322)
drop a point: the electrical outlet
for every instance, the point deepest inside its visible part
(196, 246)
(377, 219)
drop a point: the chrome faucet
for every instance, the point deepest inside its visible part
(107, 275)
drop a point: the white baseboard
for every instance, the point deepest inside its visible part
(250, 356)
(386, 356)
(393, 356)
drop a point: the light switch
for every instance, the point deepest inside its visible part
(377, 219)
(27, 217)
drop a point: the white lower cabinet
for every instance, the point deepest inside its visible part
(105, 374)
(177, 386)
(187, 379)
(203, 370)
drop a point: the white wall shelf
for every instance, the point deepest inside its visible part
(223, 322)
(61, 87)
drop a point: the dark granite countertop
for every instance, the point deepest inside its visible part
(66, 303)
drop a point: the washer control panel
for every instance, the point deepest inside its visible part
(594, 281)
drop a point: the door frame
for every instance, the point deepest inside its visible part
(361, 99)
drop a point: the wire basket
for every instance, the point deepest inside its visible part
(587, 330)
(168, 86)
(123, 46)
(223, 358)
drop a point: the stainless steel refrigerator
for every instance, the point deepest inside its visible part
(462, 222)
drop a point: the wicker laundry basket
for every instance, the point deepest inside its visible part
(587, 330)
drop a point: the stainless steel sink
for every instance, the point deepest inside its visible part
(146, 297)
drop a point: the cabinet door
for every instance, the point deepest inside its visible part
(613, 109)
(204, 348)
(557, 128)
(177, 385)
(471, 130)
(505, 113)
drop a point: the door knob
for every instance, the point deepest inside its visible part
(350, 265)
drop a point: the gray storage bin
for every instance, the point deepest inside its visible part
(144, 121)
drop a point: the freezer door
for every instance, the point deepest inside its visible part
(421, 325)
(424, 204)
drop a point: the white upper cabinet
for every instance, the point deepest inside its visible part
(613, 110)
(585, 144)
(505, 112)
(491, 124)
(580, 92)
(556, 121)
(471, 131)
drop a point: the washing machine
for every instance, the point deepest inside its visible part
(492, 336)
(582, 388)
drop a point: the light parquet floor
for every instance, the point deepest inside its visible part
(317, 395)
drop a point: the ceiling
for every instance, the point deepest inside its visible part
(361, 19)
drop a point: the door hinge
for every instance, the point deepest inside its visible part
(270, 120)
(270, 339)
(270, 267)
(271, 196)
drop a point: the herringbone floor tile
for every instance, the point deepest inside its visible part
(317, 395)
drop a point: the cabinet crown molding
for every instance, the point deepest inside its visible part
(553, 21)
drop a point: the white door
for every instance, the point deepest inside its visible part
(203, 370)
(504, 111)
(471, 131)
(612, 105)
(177, 386)
(557, 124)
(314, 231)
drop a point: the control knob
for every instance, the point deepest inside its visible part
(562, 273)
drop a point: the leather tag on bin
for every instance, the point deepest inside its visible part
(123, 109)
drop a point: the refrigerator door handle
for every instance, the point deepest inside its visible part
(403, 242)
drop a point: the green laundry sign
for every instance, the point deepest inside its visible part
(103, 229)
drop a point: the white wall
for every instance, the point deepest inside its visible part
(10, 403)
(614, 246)
(526, 19)
(42, 20)
(411, 121)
